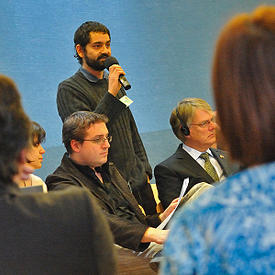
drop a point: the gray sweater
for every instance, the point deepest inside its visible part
(87, 93)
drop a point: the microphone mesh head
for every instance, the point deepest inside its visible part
(109, 61)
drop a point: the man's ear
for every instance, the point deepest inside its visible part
(79, 50)
(75, 145)
(187, 137)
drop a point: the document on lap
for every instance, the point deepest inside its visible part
(182, 192)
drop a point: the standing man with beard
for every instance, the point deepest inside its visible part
(92, 89)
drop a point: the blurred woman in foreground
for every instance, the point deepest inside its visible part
(231, 229)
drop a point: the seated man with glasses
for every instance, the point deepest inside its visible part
(85, 164)
(193, 123)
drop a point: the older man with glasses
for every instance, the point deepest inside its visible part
(193, 123)
(86, 165)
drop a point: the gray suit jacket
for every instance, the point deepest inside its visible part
(171, 172)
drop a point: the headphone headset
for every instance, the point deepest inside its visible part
(184, 128)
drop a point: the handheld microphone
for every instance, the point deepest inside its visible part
(109, 61)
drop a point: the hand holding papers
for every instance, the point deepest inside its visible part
(183, 189)
(154, 248)
(192, 194)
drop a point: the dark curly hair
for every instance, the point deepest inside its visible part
(82, 35)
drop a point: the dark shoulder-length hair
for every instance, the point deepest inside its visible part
(243, 80)
(38, 133)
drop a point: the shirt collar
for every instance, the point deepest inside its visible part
(195, 154)
(89, 171)
(91, 77)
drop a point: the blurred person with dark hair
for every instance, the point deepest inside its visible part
(91, 88)
(231, 229)
(59, 233)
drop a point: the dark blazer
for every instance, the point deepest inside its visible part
(56, 233)
(127, 233)
(170, 173)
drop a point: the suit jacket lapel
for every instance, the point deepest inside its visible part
(83, 180)
(222, 159)
(192, 164)
(121, 185)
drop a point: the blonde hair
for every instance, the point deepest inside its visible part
(183, 113)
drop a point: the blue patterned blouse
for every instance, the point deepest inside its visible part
(228, 230)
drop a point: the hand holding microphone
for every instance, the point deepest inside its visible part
(122, 79)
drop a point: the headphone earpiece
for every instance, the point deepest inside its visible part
(184, 128)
